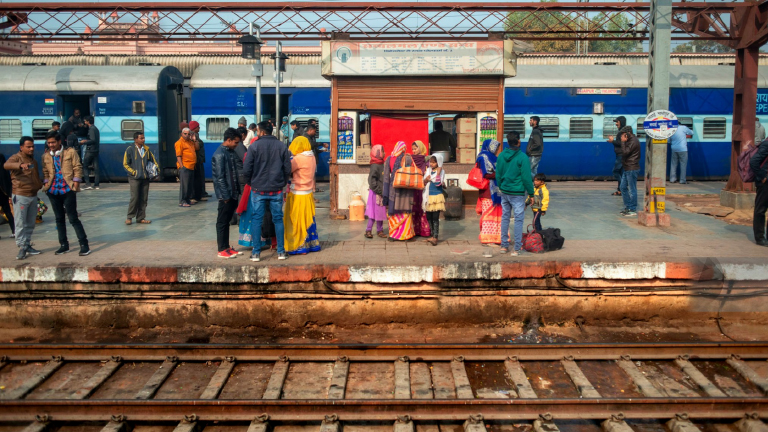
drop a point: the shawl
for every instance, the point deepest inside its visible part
(439, 180)
(396, 153)
(486, 161)
(377, 154)
(299, 145)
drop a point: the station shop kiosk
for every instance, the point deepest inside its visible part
(385, 92)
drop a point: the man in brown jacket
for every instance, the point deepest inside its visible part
(63, 173)
(25, 179)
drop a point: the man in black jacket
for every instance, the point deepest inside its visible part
(631, 163)
(618, 170)
(759, 165)
(535, 147)
(91, 145)
(268, 166)
(227, 189)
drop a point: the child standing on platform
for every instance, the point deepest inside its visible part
(375, 210)
(540, 199)
(433, 201)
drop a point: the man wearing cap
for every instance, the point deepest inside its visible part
(198, 188)
(186, 158)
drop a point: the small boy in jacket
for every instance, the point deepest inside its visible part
(540, 199)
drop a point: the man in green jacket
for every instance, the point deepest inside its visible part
(513, 175)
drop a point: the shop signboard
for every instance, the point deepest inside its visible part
(418, 58)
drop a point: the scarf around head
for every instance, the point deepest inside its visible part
(396, 153)
(299, 145)
(377, 154)
(419, 156)
(438, 180)
(486, 161)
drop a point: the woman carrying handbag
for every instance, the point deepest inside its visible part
(400, 182)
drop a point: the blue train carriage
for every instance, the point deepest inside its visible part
(577, 105)
(223, 94)
(122, 100)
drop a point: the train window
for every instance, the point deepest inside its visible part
(550, 127)
(139, 107)
(10, 129)
(40, 127)
(128, 127)
(714, 127)
(640, 129)
(581, 127)
(516, 124)
(609, 127)
(215, 127)
(686, 121)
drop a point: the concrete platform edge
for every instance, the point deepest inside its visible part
(702, 269)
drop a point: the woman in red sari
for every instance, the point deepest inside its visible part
(489, 202)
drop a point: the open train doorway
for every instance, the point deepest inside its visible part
(76, 104)
(268, 107)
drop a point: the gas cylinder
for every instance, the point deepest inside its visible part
(454, 200)
(356, 207)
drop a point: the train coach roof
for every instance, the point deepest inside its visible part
(87, 78)
(623, 76)
(236, 76)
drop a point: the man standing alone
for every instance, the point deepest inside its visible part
(186, 158)
(618, 167)
(513, 175)
(679, 147)
(227, 189)
(440, 140)
(91, 153)
(535, 147)
(759, 132)
(25, 179)
(63, 174)
(135, 161)
(631, 164)
(268, 167)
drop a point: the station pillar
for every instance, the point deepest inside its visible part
(659, 47)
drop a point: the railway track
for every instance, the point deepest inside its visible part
(673, 387)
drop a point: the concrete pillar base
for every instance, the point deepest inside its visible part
(737, 200)
(653, 219)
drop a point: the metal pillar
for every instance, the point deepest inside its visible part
(257, 72)
(278, 79)
(744, 100)
(658, 99)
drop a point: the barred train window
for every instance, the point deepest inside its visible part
(215, 127)
(516, 124)
(581, 127)
(550, 127)
(40, 127)
(686, 121)
(128, 127)
(640, 129)
(609, 127)
(10, 129)
(714, 127)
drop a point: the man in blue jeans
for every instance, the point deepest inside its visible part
(631, 164)
(268, 166)
(513, 175)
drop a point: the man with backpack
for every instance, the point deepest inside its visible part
(759, 168)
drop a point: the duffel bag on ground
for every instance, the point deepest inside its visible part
(533, 241)
(552, 239)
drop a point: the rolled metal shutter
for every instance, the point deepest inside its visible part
(449, 94)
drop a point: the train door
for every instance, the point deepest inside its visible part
(268, 107)
(169, 117)
(70, 103)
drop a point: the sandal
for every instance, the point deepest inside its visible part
(433, 241)
(617, 193)
(184, 205)
(145, 221)
(368, 235)
(381, 234)
(504, 250)
(128, 221)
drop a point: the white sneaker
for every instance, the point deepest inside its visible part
(514, 253)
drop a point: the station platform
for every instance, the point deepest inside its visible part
(180, 246)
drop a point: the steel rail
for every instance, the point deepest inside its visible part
(359, 410)
(383, 352)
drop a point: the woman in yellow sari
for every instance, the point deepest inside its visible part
(299, 217)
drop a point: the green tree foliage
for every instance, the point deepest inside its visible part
(519, 22)
(703, 46)
(614, 23)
